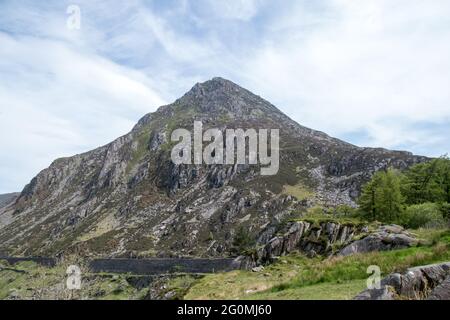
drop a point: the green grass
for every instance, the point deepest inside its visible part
(317, 216)
(180, 285)
(113, 288)
(24, 277)
(28, 280)
(354, 267)
(298, 191)
(323, 291)
(240, 284)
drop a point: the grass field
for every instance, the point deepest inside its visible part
(28, 280)
(298, 277)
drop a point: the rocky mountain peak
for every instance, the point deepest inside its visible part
(216, 86)
(128, 196)
(221, 95)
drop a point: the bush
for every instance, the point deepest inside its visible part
(445, 210)
(243, 242)
(425, 215)
(316, 211)
(345, 210)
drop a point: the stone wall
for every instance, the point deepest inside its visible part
(48, 262)
(162, 266)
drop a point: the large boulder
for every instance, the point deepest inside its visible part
(384, 293)
(424, 282)
(388, 237)
(243, 263)
(327, 236)
(310, 238)
(442, 291)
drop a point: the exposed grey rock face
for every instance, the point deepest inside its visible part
(384, 293)
(6, 199)
(309, 238)
(327, 237)
(442, 291)
(157, 139)
(244, 263)
(386, 238)
(128, 198)
(425, 282)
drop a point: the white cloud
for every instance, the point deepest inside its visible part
(233, 9)
(56, 101)
(376, 72)
(363, 64)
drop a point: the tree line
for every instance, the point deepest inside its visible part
(417, 197)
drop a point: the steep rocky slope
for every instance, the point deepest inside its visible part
(8, 198)
(128, 197)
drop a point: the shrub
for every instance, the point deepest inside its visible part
(345, 210)
(316, 211)
(243, 242)
(445, 210)
(426, 215)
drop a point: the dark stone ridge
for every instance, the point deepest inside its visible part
(47, 262)
(162, 266)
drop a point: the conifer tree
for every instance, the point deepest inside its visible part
(381, 198)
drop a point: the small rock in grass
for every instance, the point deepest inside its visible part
(258, 269)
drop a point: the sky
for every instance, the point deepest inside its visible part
(374, 73)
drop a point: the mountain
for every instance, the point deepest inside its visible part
(128, 197)
(7, 198)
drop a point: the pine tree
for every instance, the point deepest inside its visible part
(428, 182)
(381, 198)
(368, 198)
(390, 202)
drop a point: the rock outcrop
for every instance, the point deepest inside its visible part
(424, 282)
(442, 291)
(389, 237)
(310, 238)
(331, 238)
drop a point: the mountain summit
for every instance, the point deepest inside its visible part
(129, 198)
(219, 94)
